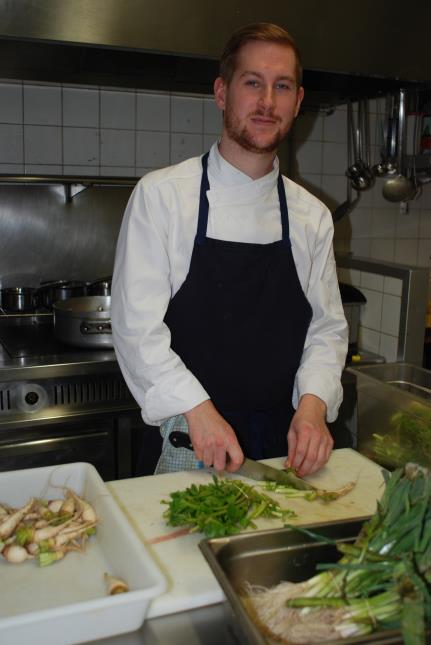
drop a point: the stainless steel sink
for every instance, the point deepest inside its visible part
(394, 413)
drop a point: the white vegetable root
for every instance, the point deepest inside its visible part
(8, 526)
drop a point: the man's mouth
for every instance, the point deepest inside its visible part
(263, 120)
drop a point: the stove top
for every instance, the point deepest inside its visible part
(28, 340)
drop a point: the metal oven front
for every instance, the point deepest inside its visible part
(60, 404)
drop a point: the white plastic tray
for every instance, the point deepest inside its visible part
(67, 602)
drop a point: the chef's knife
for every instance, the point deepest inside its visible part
(250, 468)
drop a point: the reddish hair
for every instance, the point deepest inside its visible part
(260, 31)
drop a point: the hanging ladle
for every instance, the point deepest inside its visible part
(345, 207)
(399, 188)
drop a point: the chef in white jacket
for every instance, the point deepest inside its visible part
(226, 313)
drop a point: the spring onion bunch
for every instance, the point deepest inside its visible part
(384, 578)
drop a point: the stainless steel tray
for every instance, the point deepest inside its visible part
(268, 557)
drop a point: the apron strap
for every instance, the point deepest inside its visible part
(283, 211)
(204, 206)
(203, 203)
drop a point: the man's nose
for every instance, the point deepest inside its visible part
(266, 98)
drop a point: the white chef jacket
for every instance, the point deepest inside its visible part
(152, 261)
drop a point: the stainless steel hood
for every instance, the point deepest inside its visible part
(117, 41)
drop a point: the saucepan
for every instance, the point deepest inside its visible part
(100, 287)
(18, 300)
(51, 292)
(84, 322)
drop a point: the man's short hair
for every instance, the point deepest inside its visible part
(260, 31)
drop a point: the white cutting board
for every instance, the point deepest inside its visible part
(191, 582)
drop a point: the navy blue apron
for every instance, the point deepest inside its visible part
(239, 323)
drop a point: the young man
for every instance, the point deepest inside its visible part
(226, 311)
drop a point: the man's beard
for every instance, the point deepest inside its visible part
(245, 139)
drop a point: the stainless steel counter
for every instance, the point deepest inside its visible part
(205, 626)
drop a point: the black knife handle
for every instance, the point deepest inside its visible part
(180, 439)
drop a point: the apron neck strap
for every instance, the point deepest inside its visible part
(203, 202)
(204, 206)
(283, 210)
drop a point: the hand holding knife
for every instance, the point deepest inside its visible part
(250, 468)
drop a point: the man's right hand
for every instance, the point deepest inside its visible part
(214, 440)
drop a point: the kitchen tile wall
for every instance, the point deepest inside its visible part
(376, 228)
(379, 327)
(56, 129)
(62, 129)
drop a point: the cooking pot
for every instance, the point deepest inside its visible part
(84, 322)
(16, 300)
(51, 292)
(101, 287)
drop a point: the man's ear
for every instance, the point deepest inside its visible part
(299, 100)
(220, 92)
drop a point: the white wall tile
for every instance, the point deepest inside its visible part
(11, 168)
(426, 196)
(389, 347)
(42, 105)
(407, 225)
(117, 109)
(360, 219)
(10, 103)
(42, 144)
(117, 171)
(360, 247)
(424, 253)
(425, 223)
(391, 314)
(140, 172)
(80, 107)
(383, 223)
(334, 158)
(79, 169)
(43, 169)
(406, 252)
(208, 141)
(213, 120)
(11, 143)
(369, 339)
(81, 146)
(308, 127)
(187, 114)
(152, 149)
(117, 147)
(309, 157)
(383, 249)
(184, 146)
(371, 312)
(335, 127)
(153, 112)
(372, 281)
(335, 186)
(393, 286)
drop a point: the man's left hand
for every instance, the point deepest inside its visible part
(309, 440)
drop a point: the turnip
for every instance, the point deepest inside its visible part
(8, 525)
(15, 554)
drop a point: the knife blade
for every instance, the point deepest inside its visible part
(251, 468)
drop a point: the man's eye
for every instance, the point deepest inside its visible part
(283, 86)
(252, 83)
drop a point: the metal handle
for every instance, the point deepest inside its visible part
(94, 327)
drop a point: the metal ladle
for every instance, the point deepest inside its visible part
(345, 207)
(399, 188)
